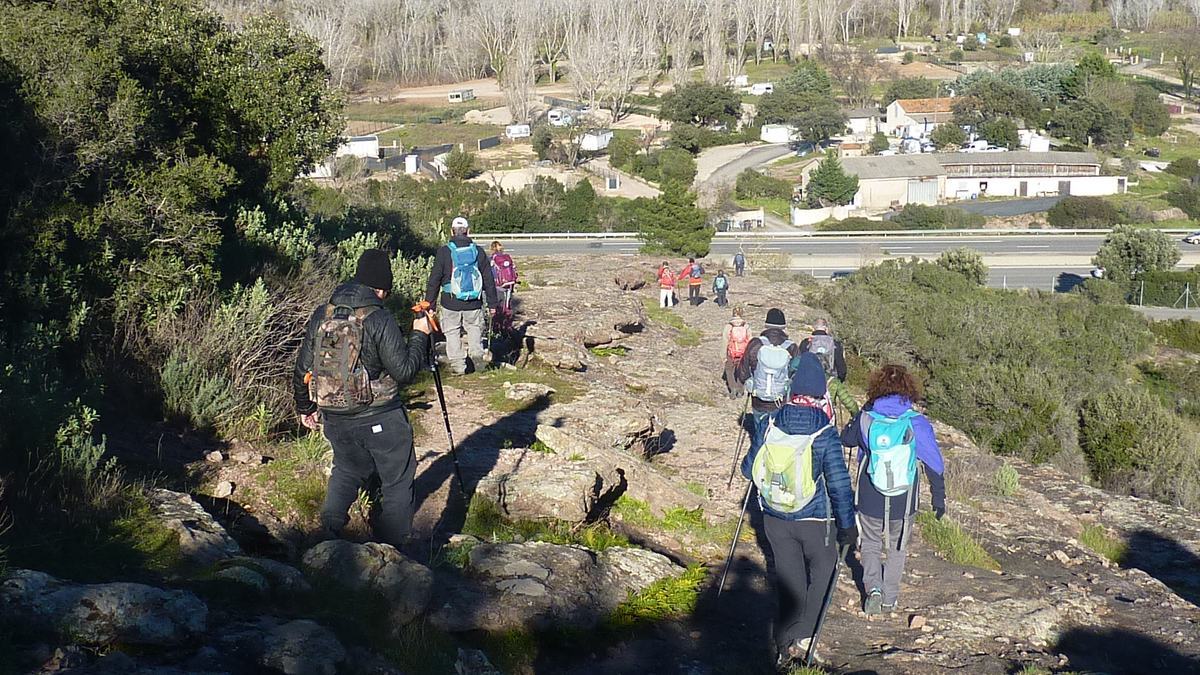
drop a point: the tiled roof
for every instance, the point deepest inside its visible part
(926, 105)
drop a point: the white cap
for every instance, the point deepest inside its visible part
(460, 223)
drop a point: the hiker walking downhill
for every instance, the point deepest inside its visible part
(351, 365)
(765, 368)
(504, 273)
(694, 274)
(891, 437)
(739, 263)
(721, 288)
(736, 337)
(830, 353)
(461, 278)
(804, 492)
(666, 286)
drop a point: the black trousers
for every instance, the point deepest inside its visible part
(694, 294)
(379, 444)
(721, 299)
(804, 564)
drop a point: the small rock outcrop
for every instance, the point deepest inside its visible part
(538, 585)
(378, 569)
(264, 575)
(101, 614)
(299, 647)
(202, 540)
(552, 486)
(630, 279)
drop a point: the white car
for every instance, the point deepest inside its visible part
(1193, 238)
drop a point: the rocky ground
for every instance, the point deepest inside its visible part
(614, 413)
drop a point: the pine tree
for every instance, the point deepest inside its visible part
(579, 208)
(829, 185)
(672, 223)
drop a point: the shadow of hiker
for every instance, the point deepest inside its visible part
(1066, 282)
(477, 455)
(1116, 650)
(1166, 560)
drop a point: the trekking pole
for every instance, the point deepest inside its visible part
(424, 308)
(837, 570)
(737, 449)
(737, 533)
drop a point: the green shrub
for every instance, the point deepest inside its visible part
(879, 142)
(754, 185)
(1097, 538)
(946, 135)
(858, 224)
(1103, 291)
(663, 600)
(967, 262)
(487, 521)
(1177, 385)
(953, 543)
(1133, 444)
(1185, 167)
(1186, 198)
(460, 164)
(921, 217)
(1006, 481)
(1165, 288)
(1178, 333)
(1081, 213)
(1128, 252)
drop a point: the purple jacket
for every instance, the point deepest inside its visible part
(870, 502)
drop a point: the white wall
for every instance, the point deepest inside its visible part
(807, 217)
(777, 133)
(879, 193)
(862, 126)
(359, 146)
(1089, 186)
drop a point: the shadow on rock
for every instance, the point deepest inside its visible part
(1166, 560)
(1122, 651)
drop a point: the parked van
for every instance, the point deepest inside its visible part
(517, 131)
(761, 88)
(559, 117)
(461, 95)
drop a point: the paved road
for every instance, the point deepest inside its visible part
(758, 156)
(1009, 207)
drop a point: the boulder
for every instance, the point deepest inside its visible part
(101, 614)
(299, 647)
(377, 569)
(539, 585)
(282, 579)
(551, 486)
(244, 576)
(526, 391)
(474, 662)
(630, 279)
(1173, 213)
(202, 540)
(559, 352)
(565, 330)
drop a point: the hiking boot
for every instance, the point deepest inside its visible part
(888, 607)
(873, 606)
(799, 651)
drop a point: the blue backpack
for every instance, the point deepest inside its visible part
(720, 283)
(892, 443)
(466, 283)
(697, 271)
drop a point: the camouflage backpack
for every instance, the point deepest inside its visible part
(340, 382)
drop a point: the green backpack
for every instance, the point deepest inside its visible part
(783, 469)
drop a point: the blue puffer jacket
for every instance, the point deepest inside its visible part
(829, 467)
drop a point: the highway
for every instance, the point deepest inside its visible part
(1047, 261)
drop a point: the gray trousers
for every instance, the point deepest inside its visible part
(455, 323)
(805, 555)
(877, 572)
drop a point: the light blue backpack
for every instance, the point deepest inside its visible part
(892, 442)
(466, 283)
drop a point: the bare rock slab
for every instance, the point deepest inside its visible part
(538, 585)
(373, 568)
(101, 614)
(543, 486)
(299, 647)
(202, 540)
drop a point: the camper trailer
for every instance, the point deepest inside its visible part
(761, 88)
(461, 95)
(559, 117)
(594, 141)
(517, 131)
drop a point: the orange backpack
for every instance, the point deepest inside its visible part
(739, 339)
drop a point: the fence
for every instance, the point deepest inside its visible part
(1175, 294)
(489, 142)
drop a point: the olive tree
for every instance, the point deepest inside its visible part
(1128, 251)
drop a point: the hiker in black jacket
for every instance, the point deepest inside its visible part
(365, 420)
(461, 288)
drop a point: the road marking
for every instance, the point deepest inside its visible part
(1033, 245)
(898, 248)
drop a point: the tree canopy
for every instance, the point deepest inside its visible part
(829, 185)
(1128, 251)
(702, 104)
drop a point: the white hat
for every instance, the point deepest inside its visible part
(460, 223)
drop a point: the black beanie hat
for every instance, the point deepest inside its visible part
(374, 270)
(775, 318)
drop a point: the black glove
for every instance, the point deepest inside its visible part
(848, 538)
(939, 510)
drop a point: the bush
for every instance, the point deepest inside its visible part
(967, 262)
(879, 143)
(909, 57)
(1187, 199)
(621, 150)
(701, 104)
(1005, 41)
(1178, 333)
(675, 164)
(909, 87)
(1006, 481)
(460, 164)
(1103, 291)
(1134, 445)
(1080, 213)
(1128, 252)
(1164, 288)
(754, 185)
(858, 224)
(829, 185)
(1001, 132)
(1184, 167)
(1135, 213)
(694, 139)
(921, 217)
(946, 135)
(542, 139)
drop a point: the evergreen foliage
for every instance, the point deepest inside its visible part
(829, 185)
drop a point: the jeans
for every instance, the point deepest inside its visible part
(721, 300)
(666, 297)
(805, 555)
(379, 444)
(878, 573)
(455, 323)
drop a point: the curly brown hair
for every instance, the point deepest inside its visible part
(893, 379)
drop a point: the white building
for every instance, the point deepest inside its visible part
(777, 133)
(917, 116)
(889, 181)
(593, 141)
(359, 146)
(863, 122)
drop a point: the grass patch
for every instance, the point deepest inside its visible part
(1097, 538)
(1178, 333)
(423, 135)
(486, 521)
(687, 337)
(576, 457)
(1006, 480)
(406, 112)
(687, 523)
(512, 651)
(696, 488)
(953, 543)
(490, 384)
(294, 482)
(773, 205)
(1176, 384)
(663, 600)
(602, 352)
(538, 446)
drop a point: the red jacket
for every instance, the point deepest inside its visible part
(687, 273)
(665, 278)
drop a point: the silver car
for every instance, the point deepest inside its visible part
(1193, 238)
